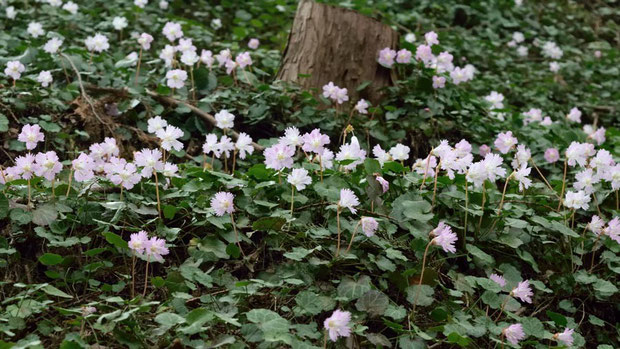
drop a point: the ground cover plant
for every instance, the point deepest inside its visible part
(159, 188)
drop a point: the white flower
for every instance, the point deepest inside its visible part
(52, 45)
(70, 7)
(299, 178)
(189, 58)
(176, 78)
(577, 200)
(140, 3)
(216, 23)
(14, 69)
(163, 4)
(244, 145)
(410, 38)
(35, 29)
(554, 67)
(119, 23)
(54, 3)
(172, 31)
(522, 51)
(400, 152)
(97, 43)
(348, 199)
(169, 138)
(291, 137)
(224, 119)
(521, 176)
(10, 12)
(45, 78)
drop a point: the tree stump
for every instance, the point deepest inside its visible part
(328, 43)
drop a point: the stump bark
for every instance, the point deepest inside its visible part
(328, 43)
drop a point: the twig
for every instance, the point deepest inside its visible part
(84, 94)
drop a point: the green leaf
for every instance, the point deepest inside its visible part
(373, 302)
(483, 257)
(4, 123)
(272, 324)
(115, 240)
(299, 253)
(557, 226)
(352, 289)
(53, 291)
(169, 319)
(233, 250)
(44, 215)
(269, 223)
(425, 297)
(4, 206)
(559, 319)
(50, 259)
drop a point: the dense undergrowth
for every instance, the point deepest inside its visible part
(153, 198)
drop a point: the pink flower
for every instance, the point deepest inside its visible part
(337, 325)
(523, 291)
(574, 115)
(439, 82)
(505, 142)
(386, 57)
(597, 54)
(279, 156)
(423, 53)
(172, 31)
(341, 96)
(426, 165)
(565, 337)
(598, 136)
(137, 242)
(145, 40)
(83, 168)
(25, 165)
(585, 180)
(613, 229)
(596, 225)
(222, 203)
(349, 200)
(155, 249)
(315, 141)
(403, 56)
(385, 185)
(514, 333)
(552, 155)
(362, 106)
(444, 237)
(329, 90)
(206, 57)
(253, 43)
(483, 150)
(47, 165)
(578, 153)
(369, 226)
(500, 280)
(123, 173)
(534, 114)
(243, 59)
(431, 38)
(149, 160)
(31, 135)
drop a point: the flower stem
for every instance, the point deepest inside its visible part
(146, 278)
(133, 275)
(135, 82)
(234, 161)
(501, 203)
(466, 206)
(321, 166)
(70, 179)
(232, 219)
(543, 177)
(563, 186)
(191, 75)
(157, 193)
(353, 236)
(428, 160)
(435, 185)
(484, 188)
(29, 194)
(325, 340)
(593, 253)
(338, 223)
(501, 309)
(417, 293)
(292, 198)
